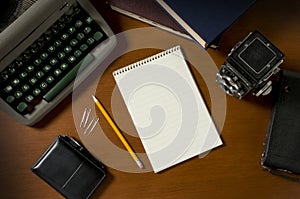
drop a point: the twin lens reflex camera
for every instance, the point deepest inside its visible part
(249, 66)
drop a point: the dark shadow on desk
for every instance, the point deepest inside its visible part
(104, 185)
(111, 17)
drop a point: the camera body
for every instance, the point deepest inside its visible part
(249, 66)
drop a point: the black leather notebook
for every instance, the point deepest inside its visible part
(70, 169)
(282, 146)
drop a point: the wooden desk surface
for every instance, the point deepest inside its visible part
(231, 171)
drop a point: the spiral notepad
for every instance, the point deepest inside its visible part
(167, 108)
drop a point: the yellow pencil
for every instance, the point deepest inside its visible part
(119, 134)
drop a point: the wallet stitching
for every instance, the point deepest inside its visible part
(70, 178)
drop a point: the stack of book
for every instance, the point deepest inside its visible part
(200, 20)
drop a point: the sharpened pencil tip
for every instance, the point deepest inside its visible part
(94, 98)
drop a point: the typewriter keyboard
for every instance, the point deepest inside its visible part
(51, 62)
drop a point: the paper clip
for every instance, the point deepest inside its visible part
(91, 125)
(84, 121)
(85, 117)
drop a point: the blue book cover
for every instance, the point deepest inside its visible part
(205, 20)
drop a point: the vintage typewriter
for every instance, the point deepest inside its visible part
(43, 44)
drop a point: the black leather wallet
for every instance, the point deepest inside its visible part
(282, 146)
(70, 169)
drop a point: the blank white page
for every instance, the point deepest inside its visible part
(167, 108)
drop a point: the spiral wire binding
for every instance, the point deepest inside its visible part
(145, 61)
